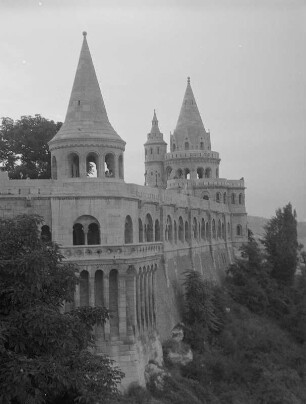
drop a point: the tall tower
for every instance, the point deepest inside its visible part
(87, 145)
(190, 156)
(155, 150)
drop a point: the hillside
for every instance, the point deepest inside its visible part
(256, 224)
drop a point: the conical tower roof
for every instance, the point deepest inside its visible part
(155, 135)
(86, 116)
(189, 125)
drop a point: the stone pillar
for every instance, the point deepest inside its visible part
(142, 302)
(106, 304)
(82, 166)
(153, 298)
(131, 314)
(122, 305)
(151, 320)
(138, 303)
(91, 289)
(147, 297)
(77, 295)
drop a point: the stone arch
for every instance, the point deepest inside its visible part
(179, 173)
(200, 173)
(54, 168)
(148, 228)
(140, 231)
(99, 286)
(195, 228)
(92, 165)
(86, 231)
(205, 195)
(233, 198)
(168, 172)
(84, 288)
(113, 302)
(218, 197)
(128, 230)
(186, 231)
(175, 231)
(203, 229)
(73, 165)
(224, 198)
(202, 145)
(207, 172)
(181, 229)
(168, 229)
(157, 230)
(240, 199)
(239, 230)
(187, 173)
(120, 166)
(219, 229)
(45, 233)
(213, 226)
(109, 165)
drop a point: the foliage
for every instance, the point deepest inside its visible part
(24, 148)
(44, 353)
(280, 241)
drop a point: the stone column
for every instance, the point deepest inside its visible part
(91, 289)
(150, 299)
(77, 295)
(147, 297)
(82, 166)
(122, 305)
(138, 303)
(106, 304)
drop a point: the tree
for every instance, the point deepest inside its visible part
(46, 355)
(280, 241)
(24, 148)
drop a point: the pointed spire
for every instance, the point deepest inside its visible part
(155, 128)
(86, 115)
(189, 125)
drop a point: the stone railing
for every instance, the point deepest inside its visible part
(204, 183)
(192, 153)
(93, 252)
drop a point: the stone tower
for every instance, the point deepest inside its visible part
(155, 150)
(87, 145)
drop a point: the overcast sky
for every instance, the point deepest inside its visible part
(246, 60)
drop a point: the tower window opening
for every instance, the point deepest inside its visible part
(148, 229)
(74, 168)
(93, 235)
(179, 173)
(240, 199)
(224, 197)
(181, 229)
(157, 230)
(168, 171)
(109, 165)
(202, 145)
(233, 199)
(218, 197)
(79, 102)
(140, 230)
(187, 174)
(186, 145)
(208, 172)
(239, 230)
(217, 172)
(128, 230)
(92, 165)
(45, 233)
(186, 231)
(200, 173)
(206, 196)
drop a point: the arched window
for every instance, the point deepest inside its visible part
(228, 228)
(207, 232)
(54, 168)
(148, 228)
(92, 165)
(213, 225)
(140, 231)
(151, 150)
(217, 172)
(233, 198)
(74, 165)
(240, 199)
(84, 288)
(128, 230)
(175, 231)
(223, 231)
(203, 229)
(169, 231)
(78, 234)
(239, 230)
(45, 233)
(181, 229)
(113, 302)
(99, 298)
(202, 145)
(219, 229)
(173, 147)
(200, 173)
(224, 198)
(187, 173)
(218, 197)
(109, 165)
(93, 235)
(186, 231)
(157, 230)
(186, 145)
(120, 165)
(195, 228)
(179, 173)
(207, 172)
(168, 171)
(205, 195)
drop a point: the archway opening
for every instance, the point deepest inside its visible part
(113, 302)
(109, 165)
(157, 230)
(200, 173)
(128, 230)
(78, 234)
(45, 233)
(93, 235)
(84, 288)
(208, 172)
(92, 165)
(74, 165)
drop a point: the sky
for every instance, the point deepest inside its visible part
(246, 60)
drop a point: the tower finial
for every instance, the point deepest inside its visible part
(84, 34)
(188, 80)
